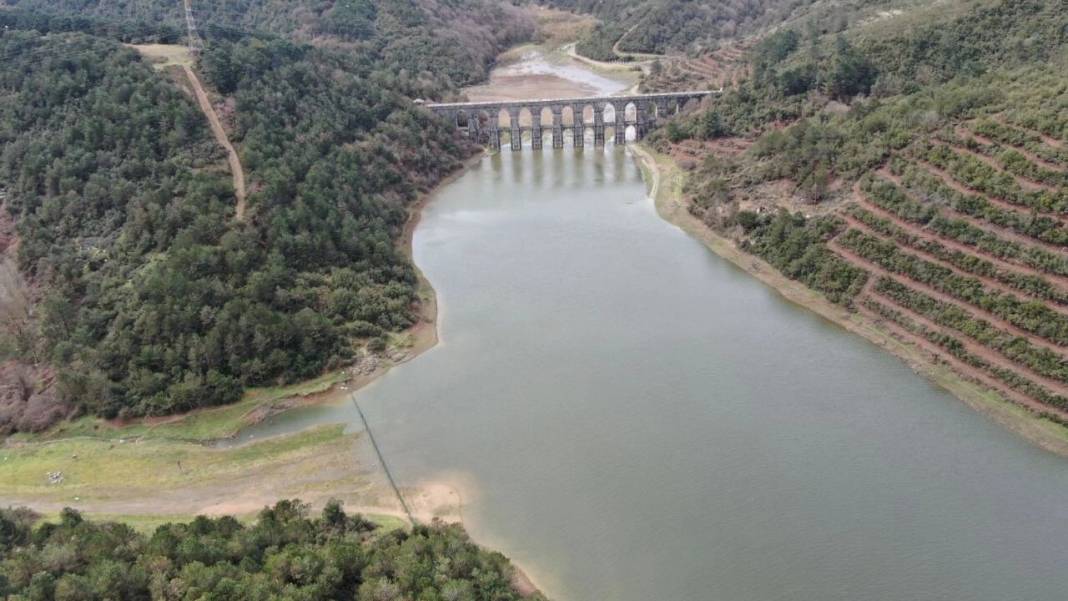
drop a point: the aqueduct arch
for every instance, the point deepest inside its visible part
(484, 121)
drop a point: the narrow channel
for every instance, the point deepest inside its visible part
(632, 418)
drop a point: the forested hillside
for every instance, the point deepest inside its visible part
(674, 26)
(141, 290)
(286, 554)
(453, 42)
(920, 159)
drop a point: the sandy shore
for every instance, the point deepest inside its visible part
(665, 180)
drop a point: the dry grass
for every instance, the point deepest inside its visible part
(164, 55)
(558, 27)
(149, 479)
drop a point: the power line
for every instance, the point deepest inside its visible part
(382, 461)
(195, 43)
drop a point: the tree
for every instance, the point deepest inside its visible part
(850, 73)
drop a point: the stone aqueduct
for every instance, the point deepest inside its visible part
(482, 120)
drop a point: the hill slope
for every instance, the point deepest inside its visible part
(146, 295)
(913, 169)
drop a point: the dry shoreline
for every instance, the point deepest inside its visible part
(665, 178)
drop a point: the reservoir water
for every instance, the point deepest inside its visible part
(632, 418)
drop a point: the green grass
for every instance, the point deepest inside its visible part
(109, 469)
(202, 425)
(387, 523)
(149, 482)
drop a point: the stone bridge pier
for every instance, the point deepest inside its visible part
(484, 121)
(558, 125)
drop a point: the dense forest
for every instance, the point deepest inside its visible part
(148, 296)
(286, 554)
(452, 42)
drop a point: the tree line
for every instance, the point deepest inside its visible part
(287, 554)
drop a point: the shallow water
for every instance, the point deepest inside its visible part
(632, 418)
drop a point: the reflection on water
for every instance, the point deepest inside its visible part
(639, 420)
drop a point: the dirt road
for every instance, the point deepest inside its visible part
(223, 140)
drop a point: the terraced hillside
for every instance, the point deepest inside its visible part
(965, 238)
(724, 67)
(927, 192)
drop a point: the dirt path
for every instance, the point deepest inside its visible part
(952, 244)
(992, 228)
(223, 140)
(572, 52)
(965, 134)
(959, 366)
(1046, 138)
(928, 257)
(994, 320)
(975, 347)
(1026, 183)
(952, 182)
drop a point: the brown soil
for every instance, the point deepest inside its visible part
(977, 348)
(959, 366)
(952, 244)
(1046, 138)
(1001, 203)
(987, 281)
(522, 583)
(220, 136)
(1025, 183)
(1000, 406)
(1027, 154)
(965, 133)
(929, 291)
(1002, 232)
(1049, 141)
